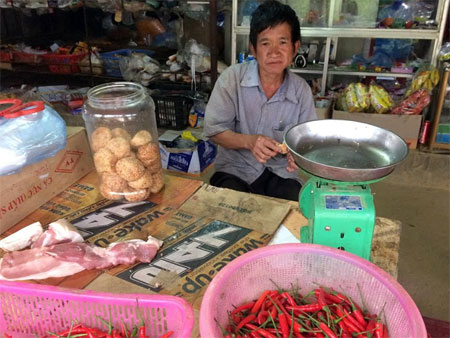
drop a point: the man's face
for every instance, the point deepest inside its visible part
(274, 49)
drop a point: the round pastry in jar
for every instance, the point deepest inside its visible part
(120, 120)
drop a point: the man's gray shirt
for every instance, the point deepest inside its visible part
(238, 103)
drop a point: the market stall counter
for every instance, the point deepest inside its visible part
(203, 228)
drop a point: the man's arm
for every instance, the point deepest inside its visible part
(262, 147)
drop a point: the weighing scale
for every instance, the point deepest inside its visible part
(342, 159)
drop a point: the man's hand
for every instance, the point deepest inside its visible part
(292, 166)
(263, 147)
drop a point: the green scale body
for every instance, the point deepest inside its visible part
(340, 215)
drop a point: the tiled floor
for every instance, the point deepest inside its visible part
(418, 195)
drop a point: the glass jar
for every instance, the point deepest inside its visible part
(121, 126)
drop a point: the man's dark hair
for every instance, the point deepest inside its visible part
(270, 14)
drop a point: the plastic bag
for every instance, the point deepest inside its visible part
(197, 56)
(413, 104)
(197, 112)
(357, 97)
(425, 78)
(96, 62)
(30, 138)
(380, 100)
(139, 68)
(444, 54)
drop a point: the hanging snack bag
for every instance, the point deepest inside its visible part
(413, 104)
(424, 79)
(380, 100)
(357, 97)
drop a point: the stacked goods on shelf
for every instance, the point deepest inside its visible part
(443, 133)
(374, 105)
(66, 60)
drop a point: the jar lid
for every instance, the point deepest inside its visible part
(116, 95)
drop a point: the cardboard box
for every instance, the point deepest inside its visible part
(405, 126)
(193, 161)
(27, 190)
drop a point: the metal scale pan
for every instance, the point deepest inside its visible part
(344, 150)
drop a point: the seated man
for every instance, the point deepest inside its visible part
(254, 103)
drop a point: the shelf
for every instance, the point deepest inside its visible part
(307, 70)
(445, 146)
(376, 74)
(335, 35)
(312, 70)
(338, 32)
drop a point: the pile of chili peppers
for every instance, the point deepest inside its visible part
(80, 331)
(322, 313)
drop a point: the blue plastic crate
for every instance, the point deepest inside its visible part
(111, 59)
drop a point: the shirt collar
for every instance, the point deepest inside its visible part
(287, 89)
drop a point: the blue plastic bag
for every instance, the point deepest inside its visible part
(28, 138)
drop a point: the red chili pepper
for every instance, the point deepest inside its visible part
(350, 318)
(297, 329)
(260, 331)
(332, 298)
(246, 320)
(280, 307)
(359, 317)
(274, 294)
(262, 317)
(78, 328)
(268, 304)
(284, 328)
(259, 302)
(98, 333)
(305, 308)
(141, 330)
(7, 335)
(371, 325)
(289, 299)
(64, 333)
(342, 326)
(91, 334)
(169, 333)
(273, 312)
(123, 330)
(327, 331)
(243, 308)
(320, 297)
(236, 319)
(342, 297)
(345, 334)
(319, 335)
(379, 330)
(115, 334)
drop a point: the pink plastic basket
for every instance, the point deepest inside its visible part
(308, 266)
(28, 309)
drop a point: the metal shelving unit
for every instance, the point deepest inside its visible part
(102, 78)
(334, 33)
(444, 87)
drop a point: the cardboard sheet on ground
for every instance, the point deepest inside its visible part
(213, 227)
(101, 221)
(250, 210)
(203, 229)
